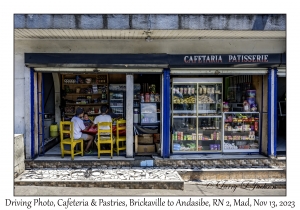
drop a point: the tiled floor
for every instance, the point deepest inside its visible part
(56, 151)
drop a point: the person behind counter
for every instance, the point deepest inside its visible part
(78, 127)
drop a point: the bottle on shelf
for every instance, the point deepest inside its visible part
(142, 97)
(147, 97)
(152, 97)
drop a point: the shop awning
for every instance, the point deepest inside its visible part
(99, 70)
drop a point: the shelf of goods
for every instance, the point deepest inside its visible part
(196, 115)
(241, 131)
(88, 91)
(117, 98)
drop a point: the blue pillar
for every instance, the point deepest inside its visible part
(275, 111)
(166, 113)
(32, 110)
(272, 111)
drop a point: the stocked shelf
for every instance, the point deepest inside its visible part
(87, 90)
(241, 131)
(196, 115)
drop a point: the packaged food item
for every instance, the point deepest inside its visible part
(246, 106)
(208, 90)
(181, 90)
(185, 90)
(147, 97)
(200, 90)
(152, 97)
(204, 89)
(142, 97)
(156, 97)
(256, 124)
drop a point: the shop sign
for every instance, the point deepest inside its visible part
(209, 59)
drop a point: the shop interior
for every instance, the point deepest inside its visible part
(78, 90)
(90, 91)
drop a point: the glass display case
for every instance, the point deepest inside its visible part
(197, 115)
(149, 113)
(241, 131)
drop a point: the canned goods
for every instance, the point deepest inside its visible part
(193, 91)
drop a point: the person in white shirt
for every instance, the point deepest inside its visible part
(79, 126)
(103, 117)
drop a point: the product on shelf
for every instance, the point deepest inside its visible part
(189, 100)
(230, 146)
(205, 99)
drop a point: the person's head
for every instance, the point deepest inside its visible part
(79, 112)
(104, 109)
(85, 116)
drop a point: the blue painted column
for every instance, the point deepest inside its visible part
(166, 113)
(32, 110)
(272, 111)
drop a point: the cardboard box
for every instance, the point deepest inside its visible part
(156, 138)
(146, 148)
(145, 139)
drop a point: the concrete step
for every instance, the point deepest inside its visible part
(130, 178)
(188, 162)
(196, 174)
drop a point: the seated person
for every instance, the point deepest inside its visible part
(103, 117)
(78, 127)
(86, 120)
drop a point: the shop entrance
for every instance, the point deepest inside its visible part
(90, 91)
